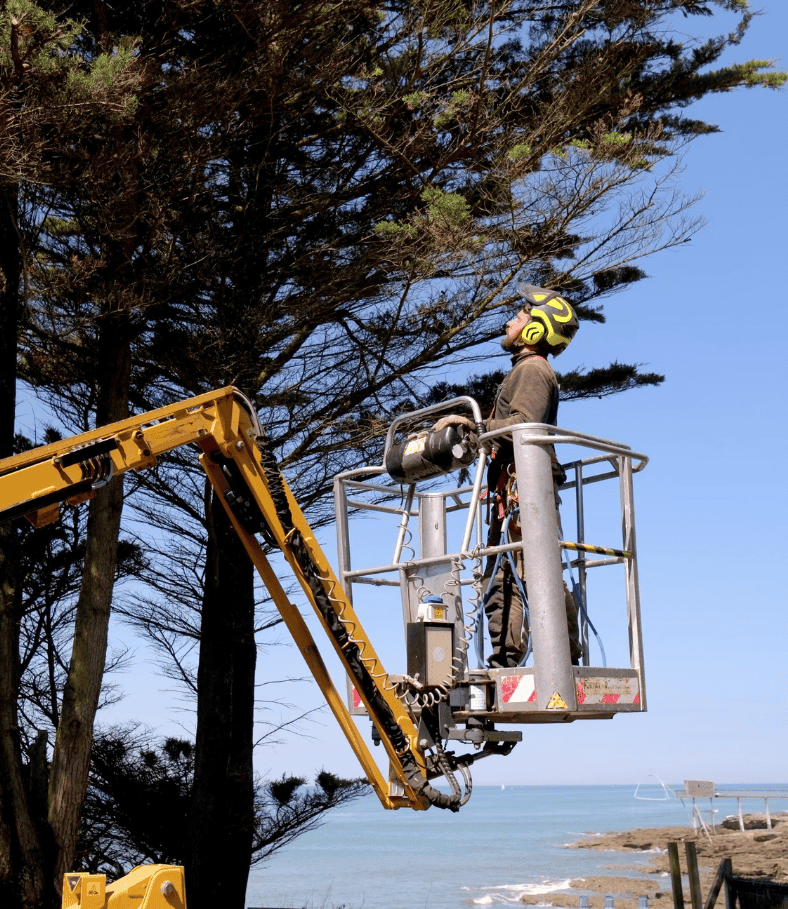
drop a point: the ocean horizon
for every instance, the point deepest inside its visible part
(505, 843)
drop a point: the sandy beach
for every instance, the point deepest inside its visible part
(756, 852)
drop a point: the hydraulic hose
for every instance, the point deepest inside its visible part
(509, 559)
(364, 681)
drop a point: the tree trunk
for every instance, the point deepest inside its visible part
(10, 277)
(71, 758)
(222, 814)
(22, 878)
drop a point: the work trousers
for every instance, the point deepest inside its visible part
(506, 622)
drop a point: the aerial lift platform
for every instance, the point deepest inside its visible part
(461, 698)
(444, 698)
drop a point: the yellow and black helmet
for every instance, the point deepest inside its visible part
(553, 321)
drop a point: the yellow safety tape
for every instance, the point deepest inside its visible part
(587, 547)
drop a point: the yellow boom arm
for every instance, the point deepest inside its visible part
(245, 477)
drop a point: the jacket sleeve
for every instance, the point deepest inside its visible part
(528, 391)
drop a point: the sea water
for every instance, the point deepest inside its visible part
(503, 844)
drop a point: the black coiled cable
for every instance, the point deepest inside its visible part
(363, 679)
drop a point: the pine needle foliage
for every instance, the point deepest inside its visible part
(139, 798)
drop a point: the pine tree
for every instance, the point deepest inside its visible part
(50, 92)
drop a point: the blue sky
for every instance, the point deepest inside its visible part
(711, 505)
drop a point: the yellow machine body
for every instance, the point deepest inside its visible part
(145, 887)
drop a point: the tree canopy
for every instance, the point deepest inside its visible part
(337, 196)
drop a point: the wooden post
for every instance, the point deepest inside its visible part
(730, 893)
(694, 877)
(675, 875)
(723, 871)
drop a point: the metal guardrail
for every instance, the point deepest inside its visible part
(378, 493)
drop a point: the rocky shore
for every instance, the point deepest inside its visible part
(756, 852)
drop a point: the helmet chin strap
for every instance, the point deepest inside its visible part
(512, 345)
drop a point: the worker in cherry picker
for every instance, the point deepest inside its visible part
(545, 326)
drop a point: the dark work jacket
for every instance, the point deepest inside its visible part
(528, 394)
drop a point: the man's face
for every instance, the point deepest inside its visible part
(512, 339)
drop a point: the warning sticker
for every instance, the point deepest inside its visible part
(73, 880)
(606, 690)
(557, 703)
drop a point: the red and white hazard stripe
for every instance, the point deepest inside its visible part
(518, 689)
